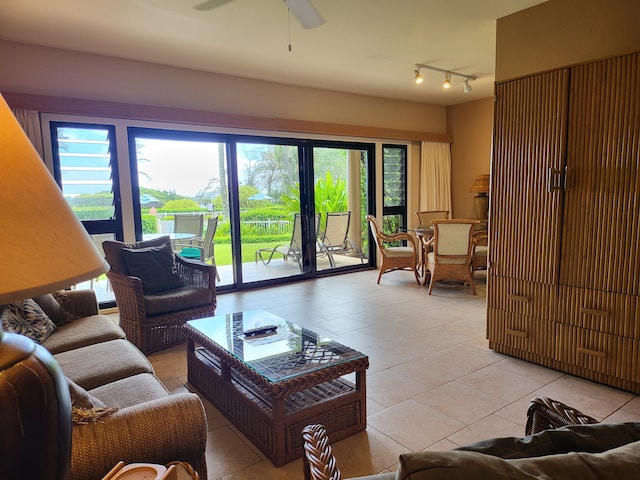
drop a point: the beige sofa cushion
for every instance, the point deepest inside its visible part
(614, 464)
(101, 363)
(130, 391)
(82, 332)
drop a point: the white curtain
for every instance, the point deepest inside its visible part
(29, 120)
(435, 176)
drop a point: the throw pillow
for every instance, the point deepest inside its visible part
(81, 398)
(113, 251)
(85, 407)
(53, 309)
(27, 318)
(154, 266)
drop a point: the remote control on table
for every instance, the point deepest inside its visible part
(265, 329)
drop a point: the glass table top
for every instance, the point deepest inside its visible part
(287, 352)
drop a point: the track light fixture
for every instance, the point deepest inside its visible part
(447, 80)
(447, 76)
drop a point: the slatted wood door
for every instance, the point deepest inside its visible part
(601, 231)
(526, 198)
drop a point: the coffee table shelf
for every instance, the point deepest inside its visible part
(272, 414)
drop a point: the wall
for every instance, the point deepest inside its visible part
(565, 32)
(471, 126)
(62, 73)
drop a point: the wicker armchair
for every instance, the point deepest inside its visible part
(153, 321)
(394, 258)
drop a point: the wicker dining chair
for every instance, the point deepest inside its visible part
(395, 257)
(153, 320)
(452, 255)
(425, 217)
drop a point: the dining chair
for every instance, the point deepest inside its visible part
(425, 217)
(452, 255)
(394, 257)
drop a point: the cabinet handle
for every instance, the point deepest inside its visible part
(595, 313)
(554, 179)
(593, 353)
(516, 333)
(518, 298)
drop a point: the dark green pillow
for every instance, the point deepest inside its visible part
(154, 266)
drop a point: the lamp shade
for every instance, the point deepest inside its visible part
(481, 184)
(44, 245)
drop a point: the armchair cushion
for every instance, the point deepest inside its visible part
(178, 299)
(154, 266)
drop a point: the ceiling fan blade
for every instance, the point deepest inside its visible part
(210, 5)
(305, 12)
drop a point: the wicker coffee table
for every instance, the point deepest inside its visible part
(273, 385)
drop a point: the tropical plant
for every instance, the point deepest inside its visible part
(329, 196)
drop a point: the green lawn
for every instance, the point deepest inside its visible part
(223, 252)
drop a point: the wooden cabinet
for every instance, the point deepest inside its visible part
(564, 273)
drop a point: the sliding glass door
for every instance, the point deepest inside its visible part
(284, 209)
(341, 180)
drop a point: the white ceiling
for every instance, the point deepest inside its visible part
(365, 46)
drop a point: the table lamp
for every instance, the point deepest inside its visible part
(44, 248)
(481, 200)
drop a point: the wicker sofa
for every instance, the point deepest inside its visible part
(561, 443)
(145, 423)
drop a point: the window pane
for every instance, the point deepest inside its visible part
(395, 170)
(85, 171)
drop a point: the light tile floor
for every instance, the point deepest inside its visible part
(432, 383)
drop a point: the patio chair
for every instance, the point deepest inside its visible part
(452, 255)
(189, 223)
(335, 238)
(394, 257)
(201, 249)
(292, 251)
(157, 291)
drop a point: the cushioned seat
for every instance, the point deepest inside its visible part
(109, 361)
(82, 332)
(142, 388)
(178, 299)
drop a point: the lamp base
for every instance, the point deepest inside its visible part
(481, 203)
(35, 412)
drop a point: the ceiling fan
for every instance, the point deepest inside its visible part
(303, 10)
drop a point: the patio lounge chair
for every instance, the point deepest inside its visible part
(292, 251)
(335, 238)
